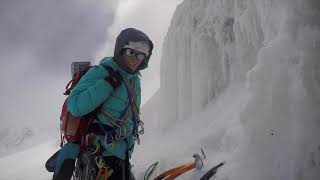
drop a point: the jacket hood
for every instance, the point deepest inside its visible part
(134, 35)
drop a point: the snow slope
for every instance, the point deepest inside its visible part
(29, 122)
(28, 164)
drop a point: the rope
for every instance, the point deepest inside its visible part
(135, 111)
(97, 149)
(111, 119)
(119, 123)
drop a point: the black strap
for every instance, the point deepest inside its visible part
(109, 69)
(95, 128)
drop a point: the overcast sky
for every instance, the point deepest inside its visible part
(50, 34)
(40, 38)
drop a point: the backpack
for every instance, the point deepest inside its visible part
(73, 128)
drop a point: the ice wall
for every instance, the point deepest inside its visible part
(199, 53)
(212, 43)
(272, 47)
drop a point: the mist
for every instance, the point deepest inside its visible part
(38, 41)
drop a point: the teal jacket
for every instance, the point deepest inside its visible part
(92, 91)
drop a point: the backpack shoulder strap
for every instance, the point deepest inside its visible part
(109, 69)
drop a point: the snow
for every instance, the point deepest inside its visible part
(239, 79)
(28, 164)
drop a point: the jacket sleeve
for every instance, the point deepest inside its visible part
(90, 92)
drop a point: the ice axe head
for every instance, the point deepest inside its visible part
(198, 161)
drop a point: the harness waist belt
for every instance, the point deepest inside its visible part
(95, 128)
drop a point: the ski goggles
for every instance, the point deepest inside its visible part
(131, 53)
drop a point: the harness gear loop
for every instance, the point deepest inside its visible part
(99, 161)
(104, 170)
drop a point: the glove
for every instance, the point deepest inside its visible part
(114, 79)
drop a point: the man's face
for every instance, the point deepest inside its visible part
(133, 59)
